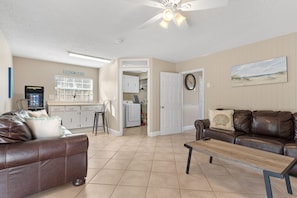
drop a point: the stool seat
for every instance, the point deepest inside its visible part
(96, 118)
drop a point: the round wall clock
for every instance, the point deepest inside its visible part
(190, 81)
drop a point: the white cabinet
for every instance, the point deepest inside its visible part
(130, 84)
(87, 115)
(71, 117)
(75, 116)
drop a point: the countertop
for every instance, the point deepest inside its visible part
(58, 103)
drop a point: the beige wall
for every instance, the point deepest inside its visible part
(109, 90)
(5, 62)
(217, 69)
(157, 67)
(42, 73)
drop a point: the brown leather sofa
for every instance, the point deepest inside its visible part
(29, 165)
(272, 131)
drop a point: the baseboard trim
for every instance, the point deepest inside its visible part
(189, 127)
(153, 133)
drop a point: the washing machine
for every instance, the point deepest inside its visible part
(131, 114)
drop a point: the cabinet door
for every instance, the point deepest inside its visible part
(87, 118)
(130, 84)
(72, 117)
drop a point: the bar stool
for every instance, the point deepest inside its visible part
(96, 118)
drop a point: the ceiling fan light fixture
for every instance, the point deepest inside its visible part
(164, 24)
(168, 15)
(179, 19)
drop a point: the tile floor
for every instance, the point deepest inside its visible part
(138, 166)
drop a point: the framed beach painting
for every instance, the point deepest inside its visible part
(262, 72)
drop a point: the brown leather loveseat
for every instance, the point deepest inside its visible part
(272, 131)
(29, 165)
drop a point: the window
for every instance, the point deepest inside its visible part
(70, 88)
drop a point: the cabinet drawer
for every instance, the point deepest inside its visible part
(56, 108)
(88, 108)
(72, 108)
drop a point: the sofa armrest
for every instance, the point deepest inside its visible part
(17, 154)
(200, 125)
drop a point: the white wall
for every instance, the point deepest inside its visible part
(5, 62)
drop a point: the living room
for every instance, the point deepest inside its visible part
(218, 90)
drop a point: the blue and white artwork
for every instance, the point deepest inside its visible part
(263, 72)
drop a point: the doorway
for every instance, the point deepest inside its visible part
(193, 100)
(134, 101)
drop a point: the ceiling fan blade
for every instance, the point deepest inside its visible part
(149, 3)
(151, 20)
(153, 4)
(202, 5)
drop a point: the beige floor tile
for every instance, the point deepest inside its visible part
(214, 169)
(181, 157)
(194, 168)
(144, 156)
(222, 183)
(103, 154)
(129, 192)
(117, 164)
(164, 156)
(91, 173)
(124, 155)
(160, 149)
(193, 182)
(165, 180)
(140, 165)
(107, 176)
(164, 166)
(96, 190)
(153, 192)
(135, 178)
(197, 194)
(232, 195)
(97, 163)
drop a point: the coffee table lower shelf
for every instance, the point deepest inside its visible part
(272, 165)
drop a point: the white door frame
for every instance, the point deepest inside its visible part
(142, 69)
(201, 88)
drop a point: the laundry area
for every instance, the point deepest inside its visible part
(134, 99)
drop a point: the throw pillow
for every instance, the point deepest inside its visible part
(38, 114)
(221, 119)
(45, 127)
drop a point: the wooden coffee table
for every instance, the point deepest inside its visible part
(271, 164)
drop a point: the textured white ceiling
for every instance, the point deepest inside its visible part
(47, 29)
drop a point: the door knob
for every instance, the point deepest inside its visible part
(162, 107)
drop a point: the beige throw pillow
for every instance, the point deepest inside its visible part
(38, 114)
(221, 119)
(45, 127)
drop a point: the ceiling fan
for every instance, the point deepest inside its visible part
(172, 10)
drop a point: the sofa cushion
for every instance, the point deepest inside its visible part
(224, 135)
(265, 143)
(221, 119)
(45, 127)
(273, 123)
(13, 130)
(242, 120)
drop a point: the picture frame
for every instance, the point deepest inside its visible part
(259, 73)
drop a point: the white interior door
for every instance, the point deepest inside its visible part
(170, 103)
